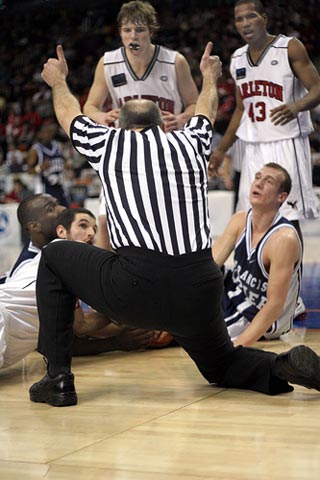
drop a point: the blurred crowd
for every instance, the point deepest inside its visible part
(31, 30)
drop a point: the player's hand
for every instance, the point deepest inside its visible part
(215, 162)
(45, 165)
(284, 113)
(133, 339)
(105, 118)
(170, 121)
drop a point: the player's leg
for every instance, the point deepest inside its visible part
(250, 165)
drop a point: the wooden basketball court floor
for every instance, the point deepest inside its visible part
(151, 416)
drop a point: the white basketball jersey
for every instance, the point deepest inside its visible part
(264, 86)
(19, 323)
(158, 83)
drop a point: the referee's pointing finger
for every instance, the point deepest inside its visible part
(208, 49)
(60, 53)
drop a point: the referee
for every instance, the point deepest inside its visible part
(161, 275)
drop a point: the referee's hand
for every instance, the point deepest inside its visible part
(55, 69)
(210, 64)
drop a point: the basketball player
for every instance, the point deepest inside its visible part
(19, 323)
(276, 86)
(140, 69)
(94, 332)
(45, 158)
(91, 327)
(261, 290)
(41, 205)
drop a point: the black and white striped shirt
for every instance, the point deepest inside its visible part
(155, 183)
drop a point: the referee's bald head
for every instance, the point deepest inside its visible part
(140, 113)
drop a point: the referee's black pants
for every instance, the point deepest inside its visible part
(144, 289)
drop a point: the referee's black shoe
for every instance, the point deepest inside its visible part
(300, 365)
(58, 391)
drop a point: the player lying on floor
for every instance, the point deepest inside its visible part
(46, 220)
(261, 290)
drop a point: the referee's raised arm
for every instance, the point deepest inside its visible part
(66, 106)
(210, 67)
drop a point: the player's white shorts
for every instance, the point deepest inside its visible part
(18, 338)
(292, 154)
(236, 152)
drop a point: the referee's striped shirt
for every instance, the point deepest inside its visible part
(155, 183)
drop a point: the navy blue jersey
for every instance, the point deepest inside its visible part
(53, 175)
(245, 290)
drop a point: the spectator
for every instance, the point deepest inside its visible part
(46, 160)
(19, 192)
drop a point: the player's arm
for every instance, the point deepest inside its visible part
(97, 96)
(225, 243)
(94, 346)
(32, 160)
(94, 333)
(281, 254)
(88, 323)
(228, 139)
(103, 237)
(187, 89)
(188, 92)
(304, 69)
(126, 340)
